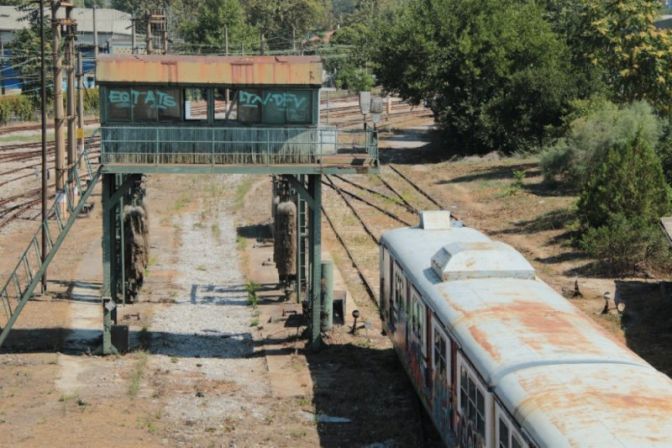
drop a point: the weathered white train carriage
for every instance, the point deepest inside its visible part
(500, 359)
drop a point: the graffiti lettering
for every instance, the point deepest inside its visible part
(279, 99)
(151, 98)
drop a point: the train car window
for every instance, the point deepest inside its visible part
(399, 292)
(503, 439)
(249, 105)
(472, 402)
(385, 280)
(225, 104)
(299, 106)
(196, 104)
(144, 104)
(515, 442)
(168, 104)
(421, 319)
(118, 104)
(464, 401)
(440, 363)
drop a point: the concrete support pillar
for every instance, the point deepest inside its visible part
(315, 240)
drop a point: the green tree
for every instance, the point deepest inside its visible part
(350, 66)
(209, 23)
(282, 20)
(620, 205)
(26, 53)
(493, 72)
(628, 180)
(617, 44)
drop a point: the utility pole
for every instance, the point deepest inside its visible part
(164, 31)
(43, 112)
(58, 98)
(261, 43)
(226, 52)
(133, 34)
(148, 34)
(71, 29)
(2, 66)
(80, 104)
(95, 33)
(293, 39)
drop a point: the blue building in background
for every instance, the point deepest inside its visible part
(113, 28)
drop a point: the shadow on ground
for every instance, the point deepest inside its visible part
(647, 320)
(378, 399)
(497, 173)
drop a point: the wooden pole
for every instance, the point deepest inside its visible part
(58, 99)
(80, 103)
(71, 115)
(148, 34)
(95, 33)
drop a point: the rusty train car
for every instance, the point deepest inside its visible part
(499, 359)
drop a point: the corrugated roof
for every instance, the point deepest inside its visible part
(107, 20)
(214, 70)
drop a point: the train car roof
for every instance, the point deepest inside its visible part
(210, 70)
(528, 343)
(591, 405)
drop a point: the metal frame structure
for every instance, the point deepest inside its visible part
(301, 151)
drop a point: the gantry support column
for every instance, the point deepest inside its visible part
(114, 190)
(315, 253)
(312, 198)
(301, 235)
(109, 261)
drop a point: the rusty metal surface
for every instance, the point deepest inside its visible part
(592, 405)
(210, 70)
(567, 381)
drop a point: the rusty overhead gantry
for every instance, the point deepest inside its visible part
(211, 115)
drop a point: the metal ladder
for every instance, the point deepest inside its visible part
(30, 269)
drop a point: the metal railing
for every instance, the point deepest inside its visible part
(22, 281)
(236, 145)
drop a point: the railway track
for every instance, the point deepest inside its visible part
(28, 154)
(395, 197)
(34, 127)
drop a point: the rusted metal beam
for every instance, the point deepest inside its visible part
(210, 70)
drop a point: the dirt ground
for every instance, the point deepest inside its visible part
(210, 368)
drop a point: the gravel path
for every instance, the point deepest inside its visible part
(204, 339)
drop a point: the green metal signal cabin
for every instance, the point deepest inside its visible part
(215, 114)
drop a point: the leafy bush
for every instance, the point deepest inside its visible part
(621, 203)
(354, 79)
(624, 243)
(591, 127)
(91, 101)
(17, 107)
